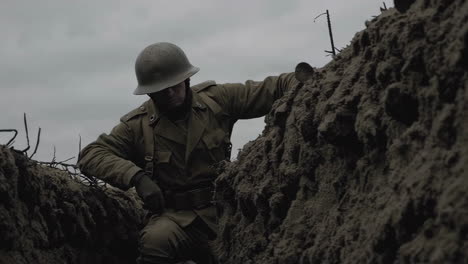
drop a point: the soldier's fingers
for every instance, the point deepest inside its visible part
(304, 72)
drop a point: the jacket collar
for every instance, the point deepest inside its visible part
(154, 114)
(152, 111)
(196, 126)
(197, 102)
(164, 127)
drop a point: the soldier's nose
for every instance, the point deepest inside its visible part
(170, 91)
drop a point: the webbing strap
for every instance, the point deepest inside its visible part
(214, 106)
(148, 138)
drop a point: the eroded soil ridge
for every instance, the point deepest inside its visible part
(47, 217)
(367, 163)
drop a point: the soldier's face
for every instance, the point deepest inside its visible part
(171, 97)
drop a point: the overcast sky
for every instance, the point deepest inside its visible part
(69, 65)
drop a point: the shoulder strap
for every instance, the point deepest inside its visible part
(201, 86)
(134, 113)
(212, 104)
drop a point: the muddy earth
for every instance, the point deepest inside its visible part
(48, 217)
(367, 162)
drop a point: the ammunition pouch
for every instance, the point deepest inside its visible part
(193, 199)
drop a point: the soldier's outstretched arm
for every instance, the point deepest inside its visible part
(109, 157)
(252, 99)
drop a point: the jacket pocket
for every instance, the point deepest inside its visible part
(218, 145)
(214, 139)
(163, 157)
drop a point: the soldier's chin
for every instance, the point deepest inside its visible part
(172, 105)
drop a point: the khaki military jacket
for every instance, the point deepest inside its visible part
(183, 154)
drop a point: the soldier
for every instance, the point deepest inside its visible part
(166, 148)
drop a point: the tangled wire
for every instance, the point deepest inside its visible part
(71, 169)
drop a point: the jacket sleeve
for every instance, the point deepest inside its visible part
(252, 99)
(109, 157)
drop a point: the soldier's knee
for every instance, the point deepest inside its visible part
(160, 238)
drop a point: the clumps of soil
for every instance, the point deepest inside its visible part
(368, 161)
(365, 163)
(48, 217)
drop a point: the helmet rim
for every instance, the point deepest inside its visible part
(157, 86)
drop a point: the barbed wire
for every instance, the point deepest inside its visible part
(74, 172)
(71, 169)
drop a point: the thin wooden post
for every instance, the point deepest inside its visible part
(331, 34)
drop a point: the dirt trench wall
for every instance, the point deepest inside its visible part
(46, 217)
(367, 163)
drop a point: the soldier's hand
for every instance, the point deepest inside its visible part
(304, 72)
(149, 192)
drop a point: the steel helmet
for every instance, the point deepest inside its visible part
(160, 66)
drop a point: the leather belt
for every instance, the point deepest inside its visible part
(193, 199)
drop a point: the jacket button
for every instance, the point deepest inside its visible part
(142, 108)
(152, 118)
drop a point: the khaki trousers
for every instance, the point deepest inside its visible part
(163, 241)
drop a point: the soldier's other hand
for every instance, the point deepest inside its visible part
(304, 72)
(149, 192)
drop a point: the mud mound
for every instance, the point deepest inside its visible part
(367, 163)
(46, 217)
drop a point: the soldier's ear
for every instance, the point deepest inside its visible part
(304, 72)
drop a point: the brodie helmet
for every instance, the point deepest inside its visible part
(160, 66)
